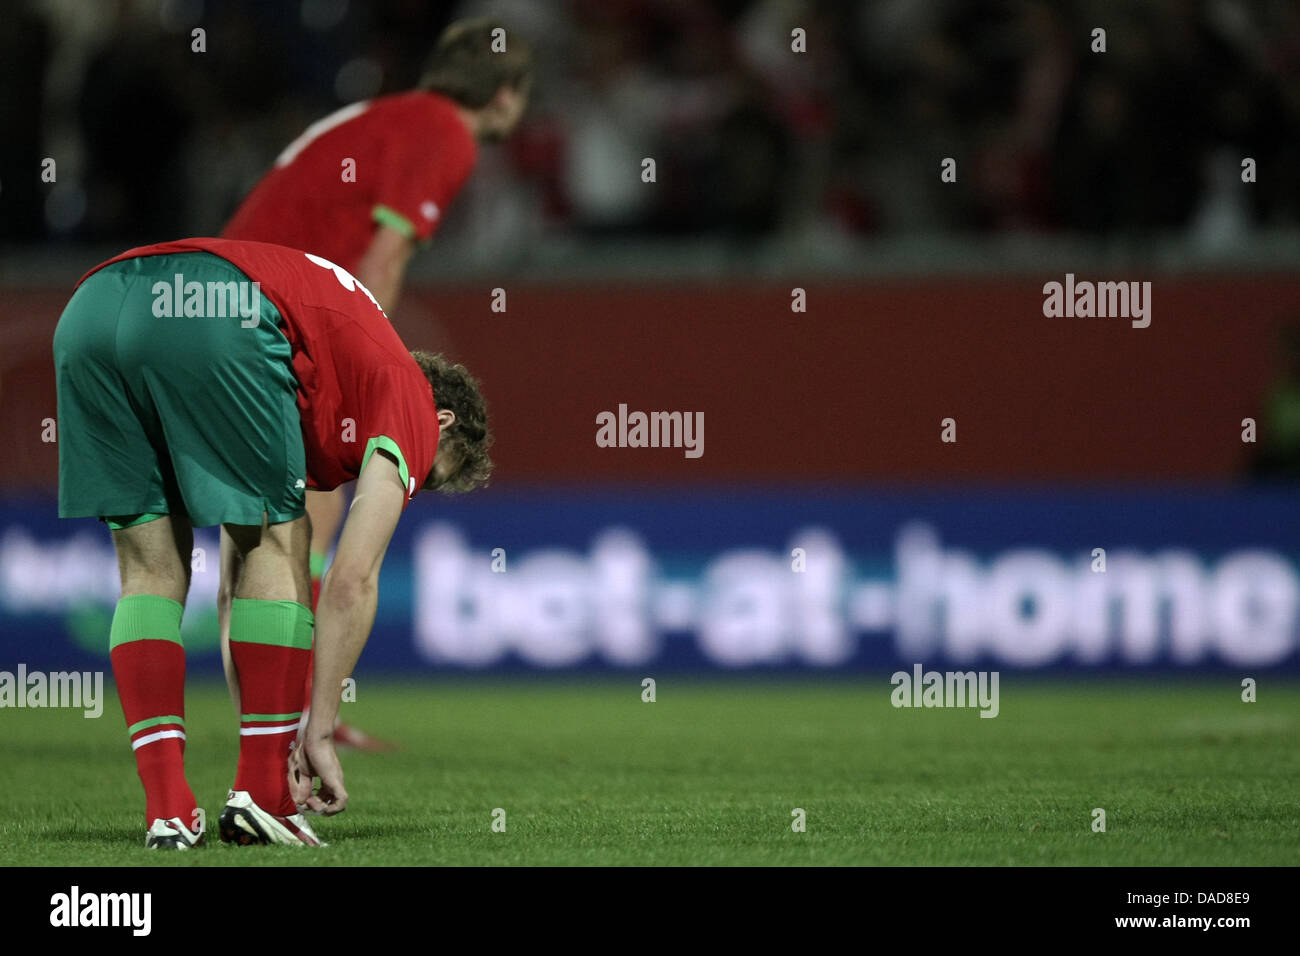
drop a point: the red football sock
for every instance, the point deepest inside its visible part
(149, 671)
(270, 644)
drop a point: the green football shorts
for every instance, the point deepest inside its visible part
(176, 398)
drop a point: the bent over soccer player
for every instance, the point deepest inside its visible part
(211, 382)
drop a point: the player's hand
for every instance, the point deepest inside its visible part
(317, 758)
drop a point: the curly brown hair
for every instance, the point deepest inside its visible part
(455, 389)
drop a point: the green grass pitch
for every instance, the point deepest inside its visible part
(710, 773)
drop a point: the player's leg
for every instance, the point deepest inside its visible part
(149, 668)
(109, 465)
(270, 648)
(231, 565)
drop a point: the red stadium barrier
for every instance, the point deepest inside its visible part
(854, 389)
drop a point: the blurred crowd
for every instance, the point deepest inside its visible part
(749, 137)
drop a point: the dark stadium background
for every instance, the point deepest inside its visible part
(776, 171)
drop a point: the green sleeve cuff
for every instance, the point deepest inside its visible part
(390, 446)
(394, 220)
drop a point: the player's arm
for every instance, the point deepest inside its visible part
(345, 614)
(383, 265)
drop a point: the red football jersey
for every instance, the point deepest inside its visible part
(408, 154)
(358, 387)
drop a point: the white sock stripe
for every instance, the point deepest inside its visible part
(160, 735)
(277, 729)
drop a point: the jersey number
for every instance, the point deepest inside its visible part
(346, 279)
